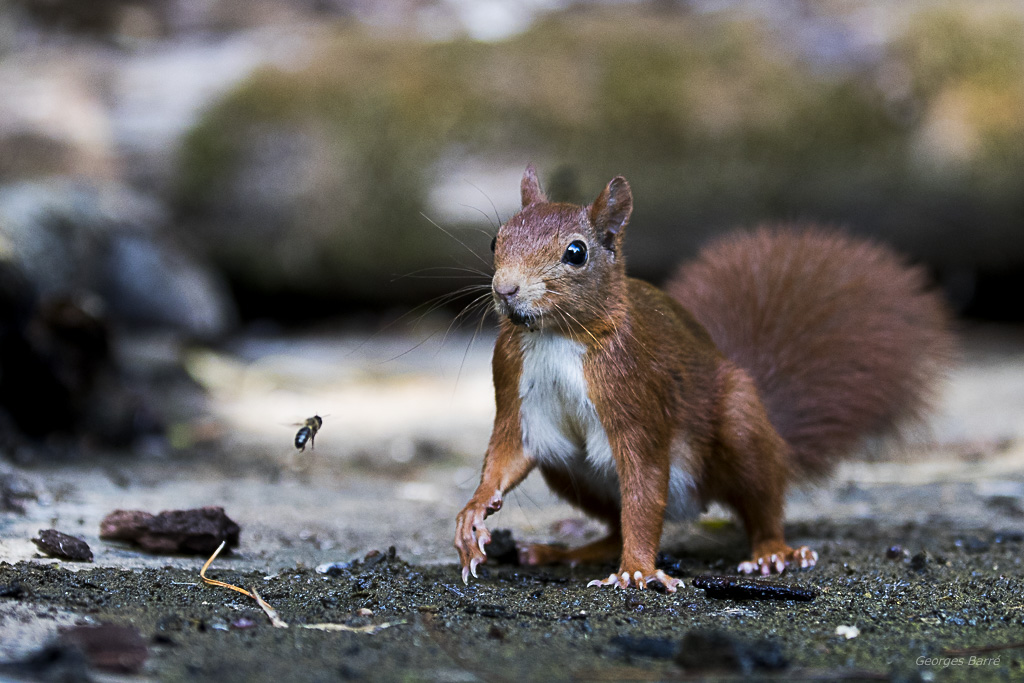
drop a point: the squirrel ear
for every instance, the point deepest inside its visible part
(530, 188)
(611, 211)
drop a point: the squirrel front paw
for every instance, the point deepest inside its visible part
(624, 579)
(778, 559)
(471, 535)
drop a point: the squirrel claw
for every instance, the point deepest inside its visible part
(612, 580)
(638, 579)
(778, 562)
(470, 538)
(470, 569)
(808, 558)
(670, 583)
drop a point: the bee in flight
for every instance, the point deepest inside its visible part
(308, 432)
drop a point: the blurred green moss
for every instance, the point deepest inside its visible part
(715, 120)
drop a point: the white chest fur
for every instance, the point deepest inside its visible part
(561, 427)
(559, 421)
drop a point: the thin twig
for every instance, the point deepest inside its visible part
(369, 628)
(215, 582)
(277, 621)
(275, 618)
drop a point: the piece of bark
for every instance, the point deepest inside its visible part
(741, 588)
(193, 532)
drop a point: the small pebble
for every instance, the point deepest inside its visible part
(333, 568)
(848, 632)
(634, 603)
(920, 561)
(502, 548)
(895, 552)
(61, 545)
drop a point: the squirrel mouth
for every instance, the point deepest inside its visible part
(523, 319)
(517, 312)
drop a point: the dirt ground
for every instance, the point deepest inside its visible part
(920, 576)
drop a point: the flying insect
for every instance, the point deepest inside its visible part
(307, 433)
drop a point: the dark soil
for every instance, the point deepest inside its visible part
(950, 607)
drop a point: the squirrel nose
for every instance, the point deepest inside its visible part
(506, 291)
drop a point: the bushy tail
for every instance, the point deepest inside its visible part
(843, 339)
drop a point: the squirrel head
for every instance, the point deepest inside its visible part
(559, 265)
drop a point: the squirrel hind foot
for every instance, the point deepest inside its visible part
(777, 560)
(625, 579)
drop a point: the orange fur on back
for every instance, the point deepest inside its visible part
(842, 338)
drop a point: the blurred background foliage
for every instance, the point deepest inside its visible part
(300, 152)
(717, 119)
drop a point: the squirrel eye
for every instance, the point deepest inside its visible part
(576, 253)
(494, 241)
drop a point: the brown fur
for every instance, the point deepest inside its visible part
(842, 338)
(779, 351)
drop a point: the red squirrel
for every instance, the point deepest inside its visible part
(764, 361)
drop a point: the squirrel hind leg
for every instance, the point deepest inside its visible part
(575, 491)
(602, 551)
(751, 473)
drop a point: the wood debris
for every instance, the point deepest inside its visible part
(369, 628)
(276, 620)
(196, 531)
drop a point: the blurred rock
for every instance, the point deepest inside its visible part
(97, 16)
(53, 118)
(158, 94)
(57, 376)
(42, 388)
(313, 207)
(150, 282)
(197, 531)
(57, 662)
(109, 647)
(14, 491)
(121, 19)
(71, 236)
(63, 546)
